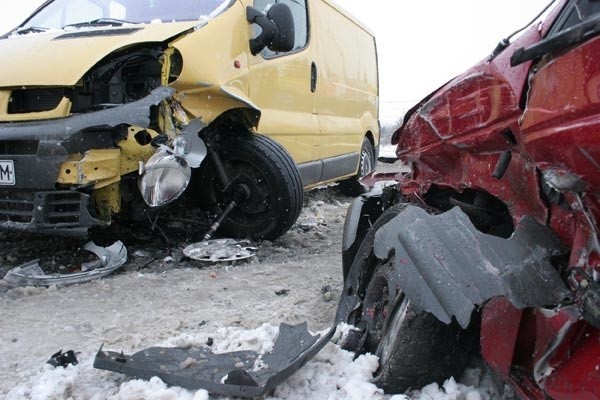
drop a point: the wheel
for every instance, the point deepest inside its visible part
(366, 165)
(414, 347)
(272, 181)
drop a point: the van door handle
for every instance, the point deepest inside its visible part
(313, 77)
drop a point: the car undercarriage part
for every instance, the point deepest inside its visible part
(109, 259)
(220, 251)
(240, 373)
(238, 193)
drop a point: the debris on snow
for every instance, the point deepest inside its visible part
(108, 260)
(220, 251)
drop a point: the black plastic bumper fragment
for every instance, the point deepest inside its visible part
(362, 214)
(241, 373)
(447, 267)
(134, 113)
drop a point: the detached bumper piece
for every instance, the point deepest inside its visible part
(240, 373)
(109, 260)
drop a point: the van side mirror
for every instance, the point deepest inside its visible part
(277, 28)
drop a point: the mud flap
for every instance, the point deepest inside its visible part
(447, 267)
(241, 373)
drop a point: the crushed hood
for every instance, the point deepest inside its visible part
(62, 57)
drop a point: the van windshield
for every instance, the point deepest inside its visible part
(58, 14)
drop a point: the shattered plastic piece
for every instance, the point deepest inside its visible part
(60, 359)
(220, 250)
(448, 266)
(229, 374)
(109, 259)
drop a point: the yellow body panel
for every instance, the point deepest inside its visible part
(132, 153)
(98, 167)
(334, 119)
(62, 62)
(214, 50)
(108, 199)
(62, 110)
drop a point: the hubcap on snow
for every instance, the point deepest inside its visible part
(220, 251)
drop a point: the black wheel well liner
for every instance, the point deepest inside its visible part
(237, 121)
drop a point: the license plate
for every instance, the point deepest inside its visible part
(7, 173)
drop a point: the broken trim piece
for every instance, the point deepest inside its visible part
(109, 259)
(136, 113)
(229, 374)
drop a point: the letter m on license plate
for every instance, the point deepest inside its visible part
(7, 173)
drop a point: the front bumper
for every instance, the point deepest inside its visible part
(38, 149)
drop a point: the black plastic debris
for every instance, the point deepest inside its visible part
(240, 373)
(447, 267)
(60, 359)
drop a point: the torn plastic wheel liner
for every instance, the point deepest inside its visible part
(447, 267)
(240, 373)
(109, 259)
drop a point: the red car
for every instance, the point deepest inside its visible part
(493, 234)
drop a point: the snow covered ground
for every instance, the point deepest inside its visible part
(161, 299)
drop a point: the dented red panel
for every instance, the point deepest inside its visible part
(577, 376)
(500, 324)
(562, 120)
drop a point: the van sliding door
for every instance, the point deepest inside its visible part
(347, 87)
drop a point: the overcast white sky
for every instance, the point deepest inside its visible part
(422, 44)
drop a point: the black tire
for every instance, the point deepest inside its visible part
(366, 165)
(414, 347)
(276, 192)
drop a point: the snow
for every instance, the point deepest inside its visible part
(294, 279)
(333, 374)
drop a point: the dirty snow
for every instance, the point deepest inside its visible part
(162, 299)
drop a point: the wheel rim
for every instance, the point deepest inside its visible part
(393, 325)
(254, 210)
(366, 162)
(378, 306)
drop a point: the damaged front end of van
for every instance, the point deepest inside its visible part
(113, 110)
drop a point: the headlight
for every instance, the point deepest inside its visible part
(164, 178)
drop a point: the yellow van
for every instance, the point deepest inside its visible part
(112, 109)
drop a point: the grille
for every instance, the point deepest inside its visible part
(34, 100)
(18, 147)
(16, 209)
(42, 209)
(63, 208)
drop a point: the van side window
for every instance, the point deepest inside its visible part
(300, 14)
(575, 13)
